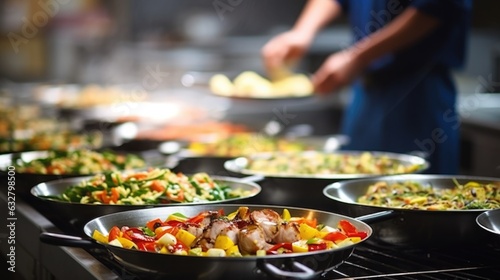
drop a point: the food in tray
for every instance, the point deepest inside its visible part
(25, 128)
(241, 233)
(245, 144)
(155, 186)
(54, 140)
(251, 84)
(320, 163)
(79, 162)
(415, 195)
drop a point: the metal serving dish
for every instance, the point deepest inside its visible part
(414, 227)
(241, 165)
(25, 181)
(305, 190)
(490, 222)
(79, 213)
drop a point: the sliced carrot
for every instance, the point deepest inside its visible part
(115, 195)
(105, 197)
(156, 185)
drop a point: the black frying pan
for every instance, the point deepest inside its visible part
(167, 266)
(415, 227)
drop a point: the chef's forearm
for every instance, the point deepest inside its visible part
(317, 14)
(405, 30)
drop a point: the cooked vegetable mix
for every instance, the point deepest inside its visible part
(241, 233)
(155, 186)
(79, 162)
(319, 163)
(245, 144)
(414, 195)
(58, 140)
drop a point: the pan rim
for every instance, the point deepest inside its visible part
(402, 177)
(33, 191)
(239, 164)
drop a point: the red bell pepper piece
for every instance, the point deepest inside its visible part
(316, 247)
(347, 227)
(114, 232)
(138, 235)
(350, 230)
(335, 236)
(153, 224)
(274, 250)
(360, 234)
(146, 246)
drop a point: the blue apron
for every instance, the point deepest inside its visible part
(405, 102)
(406, 114)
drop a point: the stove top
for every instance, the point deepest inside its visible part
(372, 261)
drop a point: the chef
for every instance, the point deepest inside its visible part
(399, 67)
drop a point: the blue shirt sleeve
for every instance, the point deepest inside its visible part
(344, 4)
(444, 10)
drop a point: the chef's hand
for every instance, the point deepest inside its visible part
(337, 71)
(285, 49)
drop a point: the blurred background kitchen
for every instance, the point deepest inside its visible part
(151, 62)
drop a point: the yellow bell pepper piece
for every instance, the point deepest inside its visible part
(158, 230)
(345, 242)
(232, 215)
(300, 246)
(223, 242)
(126, 243)
(308, 232)
(355, 239)
(99, 237)
(418, 200)
(233, 251)
(260, 253)
(286, 215)
(164, 250)
(330, 244)
(185, 237)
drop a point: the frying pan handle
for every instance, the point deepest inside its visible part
(253, 178)
(304, 273)
(377, 216)
(65, 240)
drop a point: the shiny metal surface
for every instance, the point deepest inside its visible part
(490, 221)
(79, 213)
(413, 227)
(240, 165)
(152, 265)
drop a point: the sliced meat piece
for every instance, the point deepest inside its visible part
(268, 220)
(287, 232)
(252, 239)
